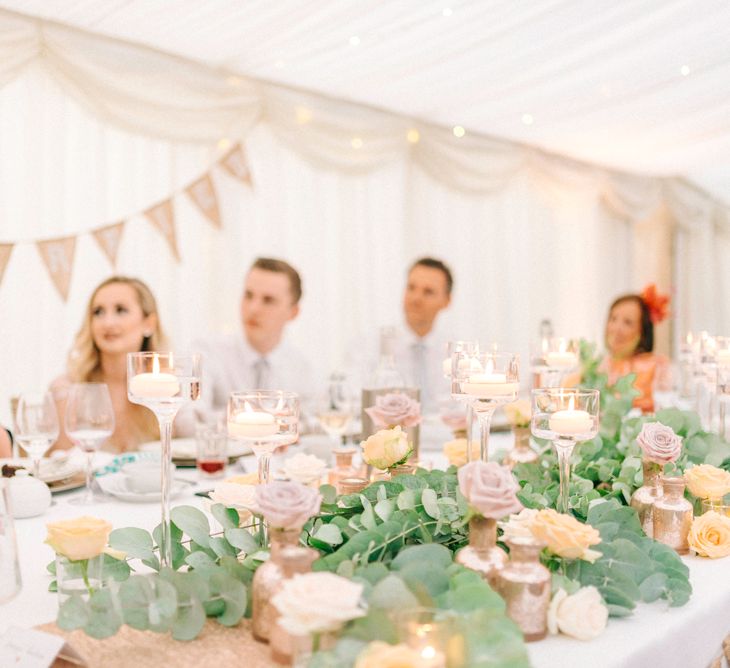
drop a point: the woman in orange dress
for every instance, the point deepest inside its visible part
(630, 345)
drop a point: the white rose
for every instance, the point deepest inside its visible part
(520, 525)
(317, 602)
(582, 615)
(304, 468)
(386, 448)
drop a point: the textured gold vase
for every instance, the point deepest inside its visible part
(524, 584)
(293, 560)
(482, 554)
(643, 498)
(672, 515)
(267, 580)
(522, 452)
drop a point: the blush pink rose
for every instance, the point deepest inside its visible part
(395, 409)
(659, 443)
(490, 489)
(286, 504)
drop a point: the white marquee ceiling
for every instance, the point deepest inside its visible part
(642, 85)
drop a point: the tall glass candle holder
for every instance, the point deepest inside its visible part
(465, 347)
(722, 357)
(164, 382)
(566, 417)
(558, 358)
(264, 419)
(485, 381)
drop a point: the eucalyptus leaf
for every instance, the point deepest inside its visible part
(392, 593)
(133, 542)
(242, 539)
(429, 499)
(330, 534)
(192, 522)
(73, 613)
(104, 620)
(227, 517)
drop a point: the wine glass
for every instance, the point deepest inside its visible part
(89, 422)
(451, 348)
(565, 416)
(37, 423)
(265, 419)
(485, 381)
(164, 382)
(335, 408)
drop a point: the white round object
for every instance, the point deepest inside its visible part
(30, 497)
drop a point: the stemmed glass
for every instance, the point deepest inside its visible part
(163, 382)
(265, 419)
(466, 347)
(37, 423)
(565, 416)
(89, 422)
(335, 408)
(485, 381)
(557, 358)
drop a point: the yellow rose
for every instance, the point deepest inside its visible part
(707, 482)
(455, 451)
(565, 536)
(386, 448)
(382, 655)
(709, 535)
(82, 538)
(518, 413)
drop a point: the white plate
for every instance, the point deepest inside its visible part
(52, 470)
(116, 485)
(185, 448)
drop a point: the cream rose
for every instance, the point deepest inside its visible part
(565, 536)
(394, 409)
(520, 525)
(82, 538)
(286, 505)
(709, 535)
(582, 615)
(386, 448)
(304, 468)
(455, 451)
(659, 443)
(518, 413)
(382, 655)
(490, 489)
(234, 495)
(317, 602)
(707, 482)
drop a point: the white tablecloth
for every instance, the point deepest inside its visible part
(686, 637)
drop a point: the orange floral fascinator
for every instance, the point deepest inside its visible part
(658, 304)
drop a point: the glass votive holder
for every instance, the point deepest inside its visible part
(427, 631)
(721, 506)
(211, 451)
(81, 577)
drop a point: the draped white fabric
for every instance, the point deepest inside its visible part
(529, 235)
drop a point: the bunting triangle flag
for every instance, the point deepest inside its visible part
(162, 216)
(58, 256)
(5, 251)
(235, 163)
(108, 239)
(202, 192)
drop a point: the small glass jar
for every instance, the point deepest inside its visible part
(521, 453)
(643, 498)
(343, 467)
(353, 485)
(482, 553)
(672, 515)
(267, 580)
(524, 584)
(401, 469)
(82, 577)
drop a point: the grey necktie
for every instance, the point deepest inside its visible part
(261, 373)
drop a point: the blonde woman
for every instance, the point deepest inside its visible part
(121, 318)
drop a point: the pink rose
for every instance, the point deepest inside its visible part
(490, 489)
(659, 443)
(286, 505)
(394, 409)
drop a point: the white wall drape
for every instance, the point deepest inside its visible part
(85, 141)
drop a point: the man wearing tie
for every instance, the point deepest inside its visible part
(260, 358)
(421, 349)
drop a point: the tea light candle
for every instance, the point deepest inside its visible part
(432, 658)
(561, 359)
(252, 424)
(154, 385)
(571, 421)
(489, 385)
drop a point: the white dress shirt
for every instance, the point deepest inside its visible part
(230, 364)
